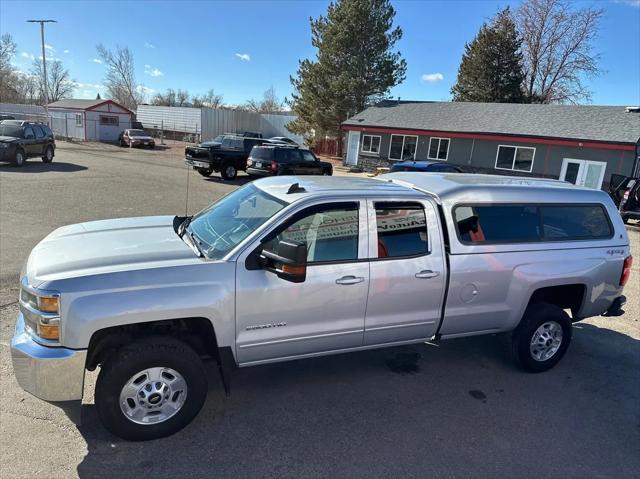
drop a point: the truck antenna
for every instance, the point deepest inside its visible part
(186, 200)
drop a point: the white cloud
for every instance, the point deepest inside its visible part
(151, 71)
(94, 86)
(432, 77)
(631, 3)
(28, 55)
(49, 47)
(65, 51)
(144, 89)
(244, 57)
(149, 45)
(96, 60)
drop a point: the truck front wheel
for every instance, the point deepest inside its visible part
(542, 337)
(150, 389)
(205, 171)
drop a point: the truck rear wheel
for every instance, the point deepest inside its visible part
(150, 389)
(229, 171)
(205, 172)
(542, 337)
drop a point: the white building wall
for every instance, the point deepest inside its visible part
(64, 123)
(100, 131)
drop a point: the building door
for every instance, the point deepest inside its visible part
(353, 147)
(589, 174)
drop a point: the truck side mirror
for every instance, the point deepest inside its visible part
(287, 259)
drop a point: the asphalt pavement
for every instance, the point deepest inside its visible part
(456, 409)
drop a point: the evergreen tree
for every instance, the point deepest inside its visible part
(491, 66)
(355, 65)
(98, 97)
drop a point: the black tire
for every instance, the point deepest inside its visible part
(48, 155)
(326, 173)
(122, 365)
(205, 172)
(20, 158)
(625, 220)
(229, 171)
(535, 316)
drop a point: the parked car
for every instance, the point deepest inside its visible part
(20, 140)
(425, 166)
(293, 267)
(283, 139)
(228, 158)
(270, 160)
(630, 203)
(132, 138)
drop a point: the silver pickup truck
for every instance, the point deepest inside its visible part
(288, 268)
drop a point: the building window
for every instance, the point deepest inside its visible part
(78, 119)
(516, 158)
(370, 144)
(438, 148)
(109, 120)
(403, 147)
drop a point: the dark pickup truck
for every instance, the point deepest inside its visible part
(227, 158)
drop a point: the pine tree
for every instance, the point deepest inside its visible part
(491, 66)
(98, 97)
(355, 65)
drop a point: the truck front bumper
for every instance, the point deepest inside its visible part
(51, 374)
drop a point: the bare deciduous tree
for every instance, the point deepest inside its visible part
(168, 98)
(270, 103)
(182, 97)
(8, 75)
(210, 99)
(121, 78)
(557, 47)
(59, 83)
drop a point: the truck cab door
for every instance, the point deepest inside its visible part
(279, 319)
(407, 271)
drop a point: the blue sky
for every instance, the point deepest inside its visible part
(241, 48)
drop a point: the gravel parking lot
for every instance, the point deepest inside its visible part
(456, 409)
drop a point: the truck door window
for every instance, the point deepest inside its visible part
(330, 233)
(401, 230)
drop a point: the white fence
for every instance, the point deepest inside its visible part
(210, 122)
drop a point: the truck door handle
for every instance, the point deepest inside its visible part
(350, 280)
(427, 273)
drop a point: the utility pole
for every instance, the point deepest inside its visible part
(44, 64)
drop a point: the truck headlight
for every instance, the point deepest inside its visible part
(4, 145)
(41, 312)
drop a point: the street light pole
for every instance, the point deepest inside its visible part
(44, 65)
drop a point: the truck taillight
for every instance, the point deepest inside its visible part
(274, 166)
(626, 270)
(249, 162)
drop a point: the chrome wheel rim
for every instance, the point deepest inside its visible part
(49, 154)
(230, 171)
(19, 158)
(153, 395)
(546, 341)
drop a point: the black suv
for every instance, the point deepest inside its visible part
(20, 140)
(270, 160)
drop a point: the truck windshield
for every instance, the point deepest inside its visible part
(223, 225)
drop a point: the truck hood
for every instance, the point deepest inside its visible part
(7, 139)
(107, 246)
